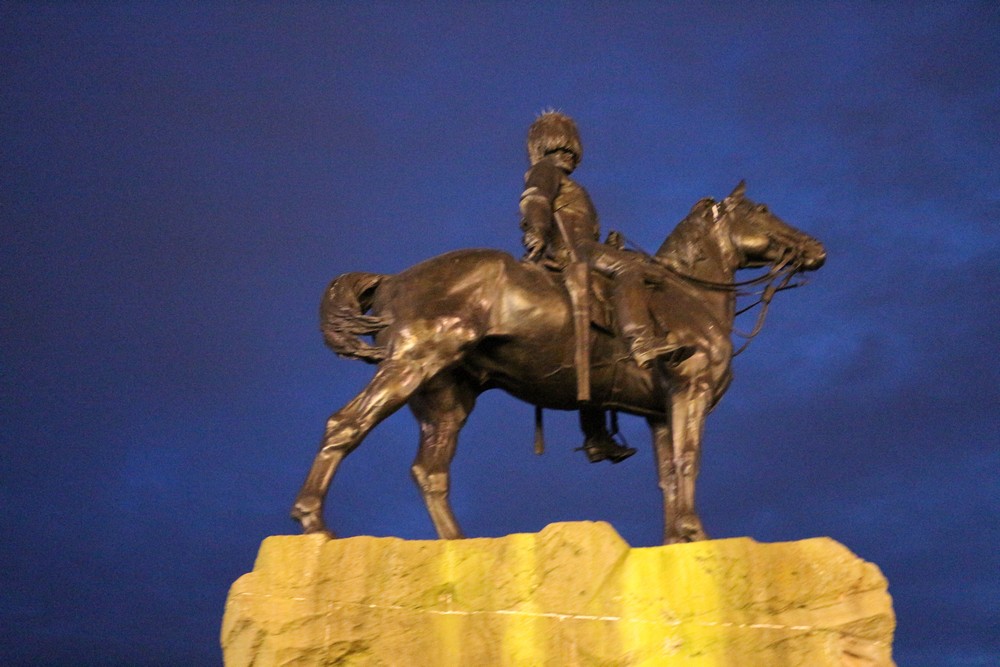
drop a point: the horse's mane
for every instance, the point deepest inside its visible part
(681, 247)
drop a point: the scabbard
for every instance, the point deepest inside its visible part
(577, 277)
(577, 283)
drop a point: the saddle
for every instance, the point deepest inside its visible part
(602, 312)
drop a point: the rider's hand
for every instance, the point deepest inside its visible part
(533, 243)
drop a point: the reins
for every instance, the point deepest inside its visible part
(783, 269)
(766, 296)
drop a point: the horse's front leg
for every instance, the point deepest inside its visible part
(679, 451)
(688, 426)
(666, 471)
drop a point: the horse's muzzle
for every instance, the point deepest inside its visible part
(813, 257)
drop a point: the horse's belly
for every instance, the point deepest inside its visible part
(533, 373)
(543, 374)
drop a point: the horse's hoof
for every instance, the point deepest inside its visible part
(687, 530)
(318, 528)
(311, 522)
(691, 530)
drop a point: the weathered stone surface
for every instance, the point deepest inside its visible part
(573, 594)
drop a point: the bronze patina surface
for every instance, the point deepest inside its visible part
(454, 326)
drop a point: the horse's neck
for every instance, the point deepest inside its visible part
(696, 248)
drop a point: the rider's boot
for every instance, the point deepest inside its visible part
(647, 349)
(601, 446)
(598, 444)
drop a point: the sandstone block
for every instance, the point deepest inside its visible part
(572, 594)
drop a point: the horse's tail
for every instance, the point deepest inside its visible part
(342, 316)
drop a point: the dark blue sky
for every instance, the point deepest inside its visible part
(178, 182)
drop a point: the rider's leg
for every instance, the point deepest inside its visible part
(628, 294)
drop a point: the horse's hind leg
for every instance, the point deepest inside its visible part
(420, 351)
(441, 407)
(394, 383)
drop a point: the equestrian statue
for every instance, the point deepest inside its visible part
(575, 325)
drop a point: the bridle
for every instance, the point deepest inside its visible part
(781, 271)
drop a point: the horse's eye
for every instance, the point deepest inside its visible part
(763, 208)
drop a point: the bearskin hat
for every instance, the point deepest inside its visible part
(553, 131)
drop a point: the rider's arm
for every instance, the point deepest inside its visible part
(541, 186)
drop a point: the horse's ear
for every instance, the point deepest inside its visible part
(738, 191)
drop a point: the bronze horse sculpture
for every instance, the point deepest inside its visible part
(454, 326)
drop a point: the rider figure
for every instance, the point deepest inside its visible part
(554, 150)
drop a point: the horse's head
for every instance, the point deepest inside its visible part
(759, 237)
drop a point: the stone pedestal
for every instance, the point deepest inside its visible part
(572, 594)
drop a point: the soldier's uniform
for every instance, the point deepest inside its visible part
(554, 149)
(560, 227)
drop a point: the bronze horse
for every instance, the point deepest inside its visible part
(452, 327)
